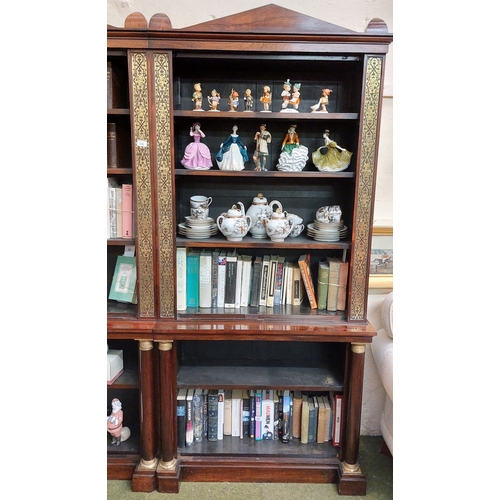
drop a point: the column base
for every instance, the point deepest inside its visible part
(167, 476)
(351, 480)
(144, 476)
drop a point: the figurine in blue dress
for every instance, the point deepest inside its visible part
(232, 154)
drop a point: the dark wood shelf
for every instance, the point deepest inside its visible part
(215, 172)
(118, 111)
(121, 241)
(257, 115)
(119, 171)
(129, 379)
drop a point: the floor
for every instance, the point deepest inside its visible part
(376, 466)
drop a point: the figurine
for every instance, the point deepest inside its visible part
(213, 100)
(295, 100)
(323, 101)
(233, 100)
(232, 154)
(248, 98)
(331, 157)
(262, 139)
(197, 97)
(285, 95)
(118, 432)
(266, 99)
(197, 155)
(293, 155)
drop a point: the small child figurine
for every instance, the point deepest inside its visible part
(295, 100)
(285, 94)
(323, 101)
(266, 99)
(262, 139)
(248, 98)
(213, 100)
(197, 97)
(233, 100)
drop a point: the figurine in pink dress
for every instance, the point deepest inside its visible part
(197, 155)
(115, 422)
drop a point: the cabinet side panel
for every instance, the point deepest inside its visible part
(144, 198)
(163, 148)
(365, 189)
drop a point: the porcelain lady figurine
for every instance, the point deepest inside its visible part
(266, 99)
(248, 98)
(233, 100)
(118, 432)
(322, 103)
(262, 138)
(197, 155)
(279, 225)
(331, 157)
(293, 155)
(234, 224)
(232, 154)
(258, 211)
(213, 100)
(197, 97)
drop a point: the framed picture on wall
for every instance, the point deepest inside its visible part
(381, 258)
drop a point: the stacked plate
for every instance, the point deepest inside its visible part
(327, 231)
(198, 228)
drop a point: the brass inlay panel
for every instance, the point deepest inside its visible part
(365, 187)
(166, 244)
(143, 184)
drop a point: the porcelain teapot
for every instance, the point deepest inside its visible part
(258, 210)
(234, 224)
(279, 225)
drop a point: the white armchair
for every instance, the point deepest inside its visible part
(382, 349)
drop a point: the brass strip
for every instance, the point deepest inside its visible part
(145, 345)
(165, 345)
(167, 465)
(148, 464)
(350, 468)
(358, 348)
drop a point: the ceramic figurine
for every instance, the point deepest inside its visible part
(295, 99)
(118, 432)
(232, 154)
(262, 139)
(233, 100)
(266, 99)
(248, 98)
(322, 103)
(331, 157)
(197, 97)
(293, 155)
(285, 95)
(197, 156)
(213, 100)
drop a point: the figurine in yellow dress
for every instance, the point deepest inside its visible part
(331, 157)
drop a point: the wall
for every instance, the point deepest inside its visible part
(351, 14)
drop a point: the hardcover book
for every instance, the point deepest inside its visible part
(127, 211)
(343, 273)
(251, 428)
(333, 283)
(278, 281)
(189, 418)
(228, 399)
(239, 276)
(328, 419)
(258, 415)
(112, 208)
(246, 275)
(205, 413)
(271, 285)
(236, 401)
(245, 413)
(305, 271)
(323, 275)
(286, 416)
(220, 415)
(205, 279)
(230, 289)
(278, 416)
(304, 425)
(297, 413)
(298, 286)
(267, 414)
(181, 417)
(221, 278)
(264, 280)
(124, 280)
(193, 277)
(198, 415)
(112, 157)
(320, 433)
(256, 280)
(313, 419)
(337, 426)
(181, 278)
(215, 274)
(213, 414)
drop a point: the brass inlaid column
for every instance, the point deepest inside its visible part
(168, 404)
(354, 405)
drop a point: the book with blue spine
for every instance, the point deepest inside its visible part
(192, 278)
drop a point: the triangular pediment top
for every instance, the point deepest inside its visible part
(270, 18)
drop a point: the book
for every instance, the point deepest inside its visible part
(278, 417)
(322, 284)
(291, 415)
(268, 414)
(251, 427)
(181, 263)
(205, 413)
(230, 288)
(124, 280)
(298, 286)
(215, 273)
(246, 276)
(258, 415)
(278, 281)
(305, 271)
(343, 274)
(271, 284)
(256, 279)
(245, 414)
(221, 278)
(333, 283)
(110, 85)
(264, 280)
(205, 279)
(181, 417)
(189, 418)
(227, 428)
(328, 419)
(213, 417)
(289, 283)
(337, 425)
(236, 412)
(112, 156)
(313, 419)
(112, 208)
(286, 416)
(304, 420)
(198, 415)
(220, 414)
(320, 432)
(239, 275)
(297, 413)
(193, 277)
(119, 214)
(127, 211)
(280, 414)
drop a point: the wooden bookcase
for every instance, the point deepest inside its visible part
(276, 348)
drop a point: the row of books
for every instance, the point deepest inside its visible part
(119, 210)
(219, 278)
(260, 414)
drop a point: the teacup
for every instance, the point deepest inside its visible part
(298, 228)
(199, 213)
(297, 219)
(199, 206)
